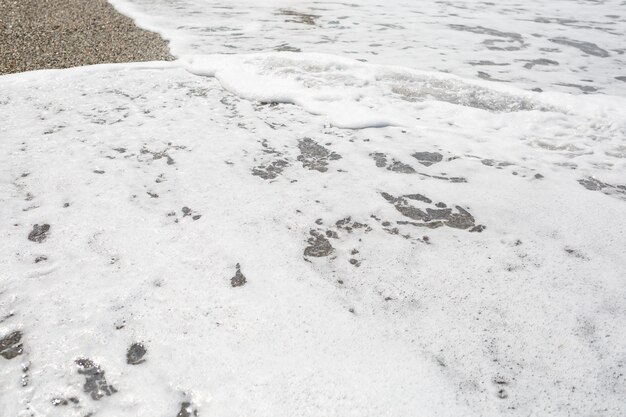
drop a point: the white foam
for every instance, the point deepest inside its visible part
(505, 40)
(160, 180)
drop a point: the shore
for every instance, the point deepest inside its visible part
(43, 34)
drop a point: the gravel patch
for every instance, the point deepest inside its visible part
(43, 34)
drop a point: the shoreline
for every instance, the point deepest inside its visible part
(55, 34)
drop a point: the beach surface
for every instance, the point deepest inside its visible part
(387, 208)
(43, 34)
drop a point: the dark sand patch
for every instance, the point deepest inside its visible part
(95, 383)
(239, 279)
(298, 17)
(585, 47)
(39, 233)
(428, 158)
(319, 246)
(432, 218)
(135, 354)
(187, 410)
(10, 345)
(395, 165)
(314, 156)
(42, 34)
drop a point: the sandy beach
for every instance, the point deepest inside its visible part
(42, 34)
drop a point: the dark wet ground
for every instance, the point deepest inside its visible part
(96, 385)
(11, 346)
(39, 233)
(136, 353)
(239, 279)
(314, 156)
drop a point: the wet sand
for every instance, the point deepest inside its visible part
(41, 34)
